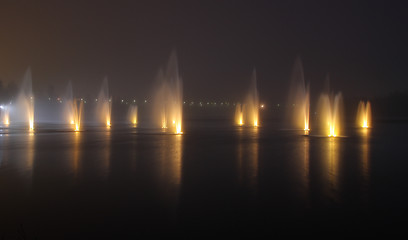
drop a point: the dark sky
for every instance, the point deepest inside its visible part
(361, 44)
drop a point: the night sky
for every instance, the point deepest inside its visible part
(361, 44)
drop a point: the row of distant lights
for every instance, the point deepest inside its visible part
(190, 103)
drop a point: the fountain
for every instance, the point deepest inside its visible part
(25, 101)
(299, 98)
(5, 114)
(248, 113)
(330, 111)
(72, 110)
(364, 114)
(168, 100)
(132, 114)
(104, 104)
(239, 114)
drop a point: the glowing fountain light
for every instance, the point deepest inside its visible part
(330, 110)
(5, 114)
(168, 101)
(249, 111)
(132, 114)
(25, 101)
(299, 98)
(364, 114)
(104, 104)
(73, 110)
(239, 114)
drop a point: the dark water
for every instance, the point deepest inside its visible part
(214, 179)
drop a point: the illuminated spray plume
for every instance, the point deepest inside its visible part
(5, 114)
(299, 98)
(330, 111)
(168, 101)
(248, 112)
(104, 105)
(25, 101)
(72, 109)
(132, 114)
(364, 114)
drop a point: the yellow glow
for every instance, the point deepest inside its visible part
(132, 114)
(72, 122)
(76, 127)
(364, 114)
(262, 106)
(178, 128)
(241, 122)
(174, 122)
(256, 123)
(31, 124)
(108, 123)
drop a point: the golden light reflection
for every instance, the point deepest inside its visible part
(332, 150)
(248, 157)
(76, 153)
(170, 164)
(30, 154)
(105, 157)
(365, 156)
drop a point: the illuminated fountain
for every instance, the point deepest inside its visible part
(168, 101)
(132, 114)
(299, 98)
(25, 101)
(104, 104)
(72, 109)
(5, 114)
(248, 113)
(239, 114)
(364, 114)
(330, 111)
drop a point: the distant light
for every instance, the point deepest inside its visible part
(2, 107)
(262, 105)
(134, 100)
(96, 99)
(278, 105)
(49, 99)
(145, 101)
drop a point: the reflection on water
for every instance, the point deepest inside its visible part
(306, 164)
(365, 158)
(247, 157)
(76, 153)
(30, 155)
(332, 158)
(105, 154)
(169, 166)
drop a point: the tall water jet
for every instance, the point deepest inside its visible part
(104, 104)
(168, 100)
(132, 114)
(72, 110)
(5, 115)
(239, 114)
(248, 112)
(330, 113)
(299, 98)
(25, 101)
(252, 103)
(364, 114)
